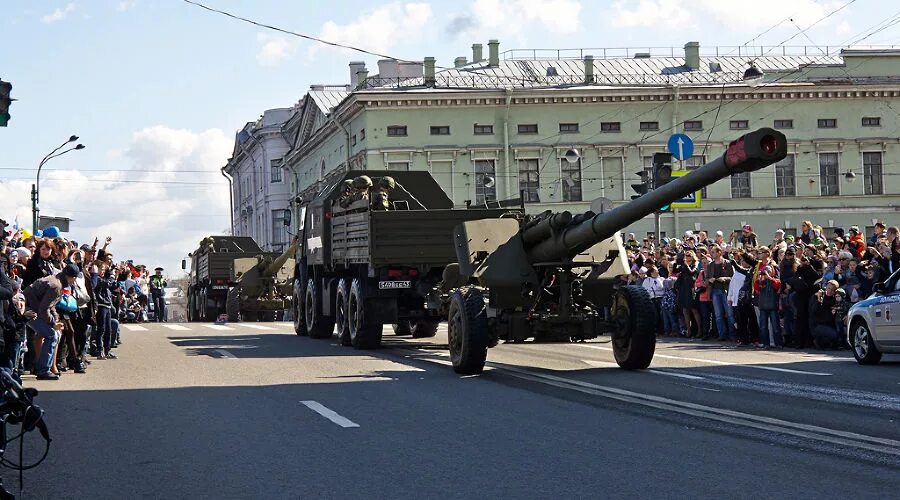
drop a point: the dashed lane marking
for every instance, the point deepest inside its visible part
(176, 327)
(329, 414)
(225, 354)
(255, 327)
(218, 327)
(664, 373)
(134, 328)
(721, 363)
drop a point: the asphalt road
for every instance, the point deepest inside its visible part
(253, 411)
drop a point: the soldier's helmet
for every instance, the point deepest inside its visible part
(347, 184)
(361, 182)
(387, 182)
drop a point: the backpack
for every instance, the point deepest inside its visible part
(67, 304)
(79, 290)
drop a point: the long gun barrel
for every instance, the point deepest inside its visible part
(276, 265)
(751, 152)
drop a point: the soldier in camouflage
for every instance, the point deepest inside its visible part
(361, 186)
(346, 193)
(381, 196)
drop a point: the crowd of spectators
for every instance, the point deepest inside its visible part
(792, 291)
(61, 302)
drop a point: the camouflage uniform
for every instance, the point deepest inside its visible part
(381, 196)
(346, 193)
(361, 187)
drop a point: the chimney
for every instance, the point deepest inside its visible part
(692, 55)
(361, 76)
(477, 56)
(429, 72)
(588, 69)
(355, 67)
(493, 53)
(459, 62)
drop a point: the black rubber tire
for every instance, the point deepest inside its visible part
(318, 325)
(467, 331)
(233, 305)
(189, 307)
(862, 344)
(342, 328)
(404, 327)
(634, 342)
(364, 333)
(265, 316)
(424, 328)
(299, 314)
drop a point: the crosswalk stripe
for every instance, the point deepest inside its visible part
(134, 328)
(256, 327)
(176, 327)
(218, 327)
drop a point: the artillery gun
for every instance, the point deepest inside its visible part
(263, 286)
(556, 276)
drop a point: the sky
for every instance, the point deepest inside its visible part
(156, 89)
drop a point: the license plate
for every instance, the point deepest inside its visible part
(388, 285)
(220, 287)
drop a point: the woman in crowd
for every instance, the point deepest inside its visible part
(687, 269)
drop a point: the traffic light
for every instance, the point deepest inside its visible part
(5, 101)
(662, 173)
(644, 187)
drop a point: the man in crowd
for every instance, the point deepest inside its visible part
(40, 302)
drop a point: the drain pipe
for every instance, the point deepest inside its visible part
(346, 139)
(230, 197)
(506, 161)
(676, 91)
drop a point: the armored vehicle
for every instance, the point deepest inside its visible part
(212, 273)
(360, 267)
(556, 276)
(262, 288)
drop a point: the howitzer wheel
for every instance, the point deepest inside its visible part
(467, 331)
(233, 305)
(424, 328)
(634, 340)
(318, 325)
(340, 312)
(364, 333)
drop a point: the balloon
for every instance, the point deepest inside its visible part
(26, 234)
(51, 232)
(38, 234)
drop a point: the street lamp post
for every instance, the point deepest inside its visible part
(36, 187)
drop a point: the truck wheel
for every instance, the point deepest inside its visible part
(364, 333)
(340, 313)
(863, 344)
(634, 340)
(189, 307)
(299, 314)
(318, 326)
(233, 306)
(467, 331)
(404, 327)
(424, 328)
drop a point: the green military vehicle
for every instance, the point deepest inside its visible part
(358, 268)
(215, 268)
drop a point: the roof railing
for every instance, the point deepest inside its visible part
(714, 51)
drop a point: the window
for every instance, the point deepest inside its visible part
(785, 181)
(353, 140)
(828, 174)
(872, 175)
(693, 163)
(397, 166)
(649, 126)
(440, 130)
(362, 134)
(871, 121)
(827, 123)
(531, 128)
(485, 182)
(740, 185)
(396, 131)
(530, 180)
(484, 129)
(693, 125)
(278, 232)
(568, 128)
(738, 124)
(784, 123)
(610, 126)
(275, 168)
(570, 178)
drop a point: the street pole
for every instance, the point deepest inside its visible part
(658, 218)
(36, 187)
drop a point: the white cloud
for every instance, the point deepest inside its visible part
(58, 14)
(126, 5)
(274, 49)
(380, 29)
(676, 15)
(154, 224)
(508, 18)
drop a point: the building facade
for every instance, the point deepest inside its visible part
(260, 188)
(490, 129)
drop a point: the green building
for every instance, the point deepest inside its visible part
(488, 129)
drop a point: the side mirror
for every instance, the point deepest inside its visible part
(879, 288)
(288, 215)
(183, 264)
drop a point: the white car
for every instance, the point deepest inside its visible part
(874, 323)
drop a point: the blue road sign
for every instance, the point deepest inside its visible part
(681, 146)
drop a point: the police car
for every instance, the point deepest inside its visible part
(874, 323)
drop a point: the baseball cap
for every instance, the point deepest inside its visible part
(747, 228)
(71, 270)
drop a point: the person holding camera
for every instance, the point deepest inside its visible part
(41, 298)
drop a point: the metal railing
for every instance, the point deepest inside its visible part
(479, 81)
(716, 51)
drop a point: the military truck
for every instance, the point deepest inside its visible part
(213, 273)
(359, 268)
(262, 288)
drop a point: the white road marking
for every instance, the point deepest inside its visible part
(218, 327)
(721, 363)
(329, 414)
(134, 328)
(674, 374)
(226, 354)
(176, 327)
(256, 327)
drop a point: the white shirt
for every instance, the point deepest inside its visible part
(654, 286)
(734, 288)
